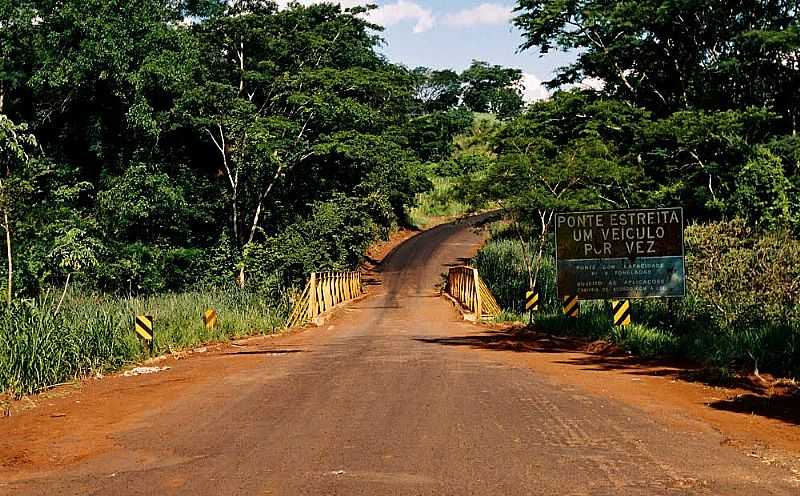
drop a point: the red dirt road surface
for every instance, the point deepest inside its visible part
(392, 396)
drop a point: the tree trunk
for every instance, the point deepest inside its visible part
(546, 218)
(7, 226)
(63, 294)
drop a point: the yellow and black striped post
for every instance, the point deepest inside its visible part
(210, 318)
(532, 301)
(621, 311)
(144, 328)
(571, 306)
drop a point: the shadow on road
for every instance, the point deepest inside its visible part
(510, 341)
(602, 357)
(263, 352)
(784, 407)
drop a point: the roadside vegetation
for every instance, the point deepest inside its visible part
(738, 317)
(674, 104)
(92, 333)
(437, 205)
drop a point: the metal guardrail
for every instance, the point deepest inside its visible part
(465, 285)
(324, 291)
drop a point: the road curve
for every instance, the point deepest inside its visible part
(376, 403)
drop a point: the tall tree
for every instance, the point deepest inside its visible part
(15, 143)
(492, 88)
(437, 90)
(669, 55)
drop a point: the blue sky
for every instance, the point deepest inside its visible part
(463, 31)
(451, 33)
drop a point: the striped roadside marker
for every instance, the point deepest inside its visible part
(621, 310)
(144, 328)
(210, 318)
(532, 301)
(571, 307)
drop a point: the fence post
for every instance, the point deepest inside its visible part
(478, 302)
(312, 295)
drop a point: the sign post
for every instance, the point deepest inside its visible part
(532, 302)
(143, 326)
(620, 254)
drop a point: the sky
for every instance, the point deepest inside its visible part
(451, 33)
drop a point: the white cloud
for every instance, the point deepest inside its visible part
(385, 15)
(532, 89)
(483, 14)
(402, 11)
(346, 4)
(589, 83)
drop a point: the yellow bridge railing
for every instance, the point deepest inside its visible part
(324, 291)
(465, 285)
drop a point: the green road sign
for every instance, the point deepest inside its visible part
(620, 254)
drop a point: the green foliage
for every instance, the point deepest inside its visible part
(501, 264)
(492, 88)
(94, 333)
(549, 158)
(333, 238)
(437, 204)
(432, 134)
(168, 146)
(742, 309)
(694, 157)
(437, 91)
(674, 55)
(143, 204)
(740, 279)
(762, 192)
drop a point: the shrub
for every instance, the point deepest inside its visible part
(335, 237)
(762, 192)
(438, 202)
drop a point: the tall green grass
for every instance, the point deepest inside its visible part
(502, 266)
(437, 203)
(94, 333)
(682, 328)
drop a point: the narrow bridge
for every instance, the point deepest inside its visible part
(396, 394)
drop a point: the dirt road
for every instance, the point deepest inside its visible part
(376, 402)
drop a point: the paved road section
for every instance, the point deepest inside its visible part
(376, 403)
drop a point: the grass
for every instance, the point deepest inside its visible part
(94, 333)
(682, 328)
(437, 203)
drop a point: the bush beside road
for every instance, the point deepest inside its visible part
(741, 312)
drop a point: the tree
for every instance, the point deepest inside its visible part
(436, 91)
(668, 55)
(492, 88)
(762, 192)
(694, 157)
(431, 134)
(14, 145)
(546, 163)
(17, 47)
